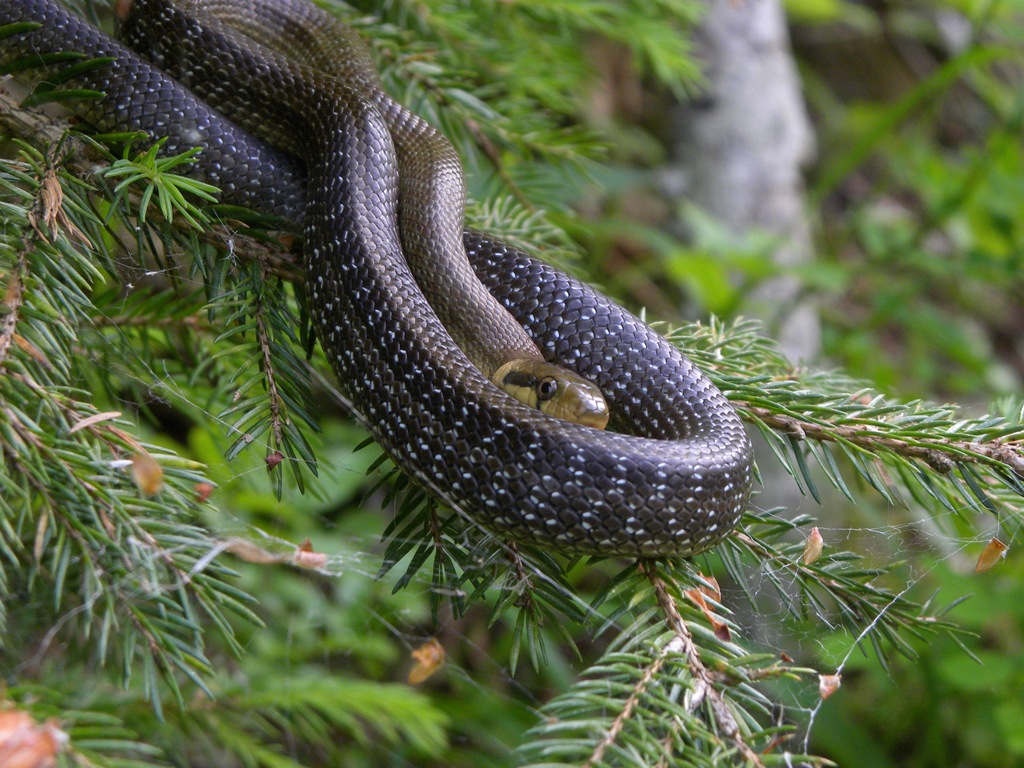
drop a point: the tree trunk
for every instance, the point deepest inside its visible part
(741, 149)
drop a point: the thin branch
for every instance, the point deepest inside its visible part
(269, 370)
(46, 199)
(29, 124)
(705, 685)
(13, 298)
(630, 705)
(43, 130)
(940, 454)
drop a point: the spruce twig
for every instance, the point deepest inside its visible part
(941, 454)
(704, 684)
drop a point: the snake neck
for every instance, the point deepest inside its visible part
(431, 182)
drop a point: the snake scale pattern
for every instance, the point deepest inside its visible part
(674, 477)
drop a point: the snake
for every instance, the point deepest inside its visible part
(431, 183)
(672, 474)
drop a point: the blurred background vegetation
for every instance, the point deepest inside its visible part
(915, 199)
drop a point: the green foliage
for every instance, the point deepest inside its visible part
(535, 147)
(263, 327)
(961, 709)
(923, 201)
(116, 559)
(160, 185)
(100, 535)
(650, 699)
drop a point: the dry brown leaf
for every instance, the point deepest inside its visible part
(994, 551)
(203, 491)
(305, 557)
(40, 540)
(720, 628)
(51, 198)
(24, 744)
(96, 418)
(30, 349)
(246, 550)
(710, 588)
(812, 547)
(828, 684)
(428, 657)
(149, 475)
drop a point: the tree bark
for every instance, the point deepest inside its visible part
(741, 149)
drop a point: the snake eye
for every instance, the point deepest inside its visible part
(547, 388)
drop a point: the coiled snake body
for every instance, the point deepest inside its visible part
(672, 481)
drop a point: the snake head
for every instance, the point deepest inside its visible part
(554, 391)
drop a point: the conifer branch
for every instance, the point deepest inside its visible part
(941, 454)
(704, 684)
(83, 157)
(274, 401)
(634, 700)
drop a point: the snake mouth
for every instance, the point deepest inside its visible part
(597, 418)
